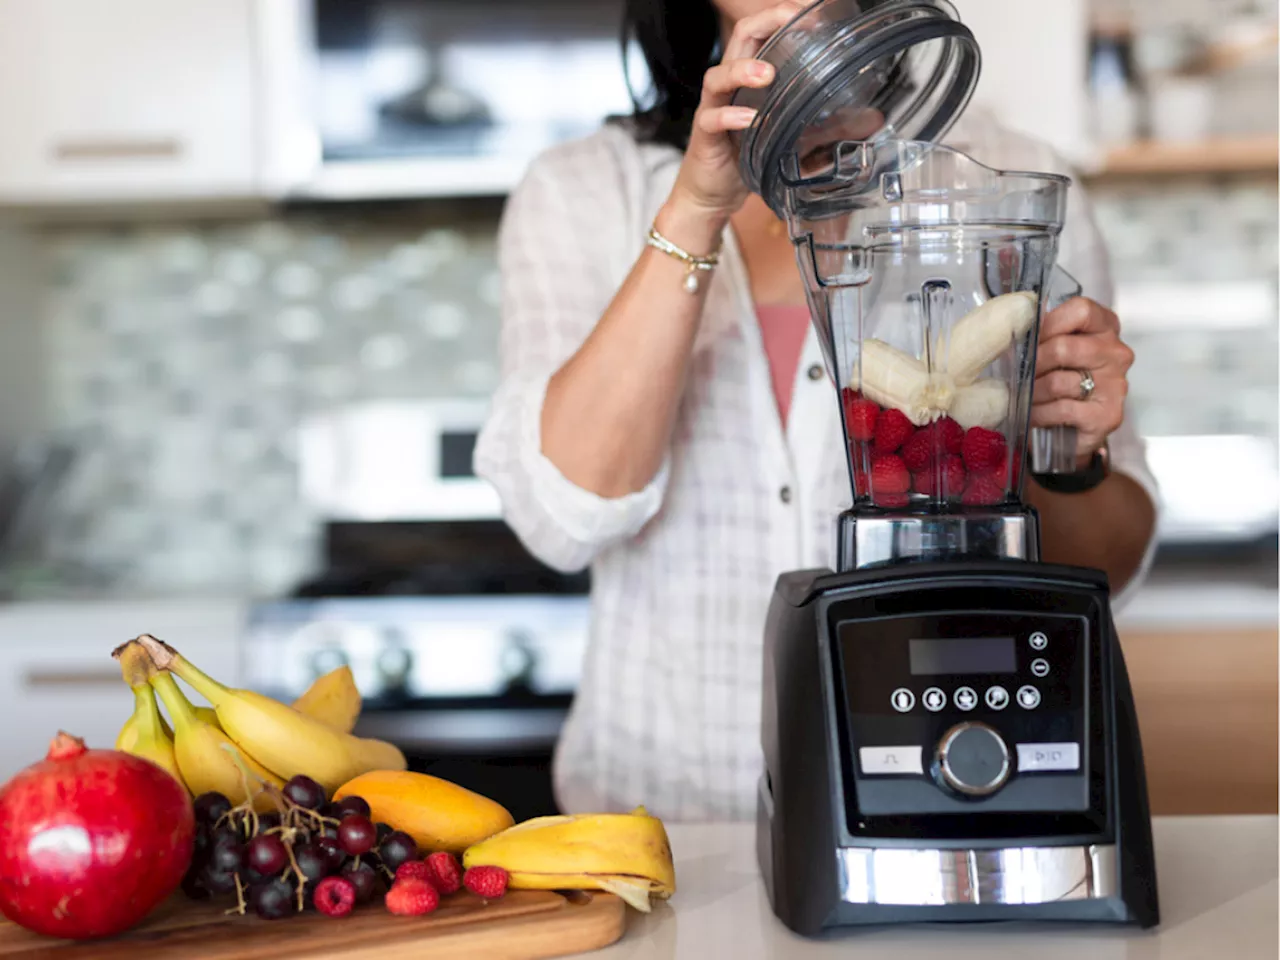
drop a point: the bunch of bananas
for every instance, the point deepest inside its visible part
(626, 854)
(244, 739)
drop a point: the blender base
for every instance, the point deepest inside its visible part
(871, 538)
(841, 845)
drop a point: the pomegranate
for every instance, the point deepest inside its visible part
(90, 841)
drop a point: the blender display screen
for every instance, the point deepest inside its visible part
(964, 655)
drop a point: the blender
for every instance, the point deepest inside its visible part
(948, 729)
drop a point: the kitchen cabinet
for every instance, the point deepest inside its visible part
(1035, 69)
(129, 100)
(1207, 706)
(57, 673)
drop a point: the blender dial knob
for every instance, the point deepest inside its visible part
(972, 760)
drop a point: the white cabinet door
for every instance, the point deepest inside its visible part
(1035, 57)
(132, 99)
(56, 670)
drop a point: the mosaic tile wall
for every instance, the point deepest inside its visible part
(184, 356)
(1219, 377)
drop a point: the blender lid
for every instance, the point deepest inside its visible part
(854, 70)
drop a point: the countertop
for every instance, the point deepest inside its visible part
(1218, 894)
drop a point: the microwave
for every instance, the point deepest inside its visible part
(444, 98)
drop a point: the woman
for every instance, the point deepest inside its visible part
(687, 446)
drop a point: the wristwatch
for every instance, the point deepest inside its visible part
(1081, 481)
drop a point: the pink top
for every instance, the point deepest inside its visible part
(783, 329)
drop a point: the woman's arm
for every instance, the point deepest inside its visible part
(592, 376)
(609, 411)
(1107, 528)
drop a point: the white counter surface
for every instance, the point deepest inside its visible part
(1218, 893)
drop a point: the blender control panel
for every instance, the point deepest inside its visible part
(945, 711)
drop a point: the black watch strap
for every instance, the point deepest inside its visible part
(1079, 482)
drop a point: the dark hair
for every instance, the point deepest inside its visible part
(680, 40)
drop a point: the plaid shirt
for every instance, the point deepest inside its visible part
(668, 710)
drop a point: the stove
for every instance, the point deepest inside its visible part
(466, 649)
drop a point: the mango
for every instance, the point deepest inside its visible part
(439, 815)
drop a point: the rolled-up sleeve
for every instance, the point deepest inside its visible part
(562, 250)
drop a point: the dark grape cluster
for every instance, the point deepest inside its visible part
(273, 862)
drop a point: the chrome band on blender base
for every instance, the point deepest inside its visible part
(866, 541)
(1012, 875)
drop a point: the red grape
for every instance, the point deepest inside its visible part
(363, 877)
(357, 834)
(305, 792)
(354, 805)
(211, 807)
(396, 849)
(272, 900)
(267, 855)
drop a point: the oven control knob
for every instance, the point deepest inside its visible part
(326, 660)
(394, 665)
(972, 760)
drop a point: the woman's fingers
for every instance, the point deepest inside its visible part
(1082, 352)
(750, 33)
(1065, 385)
(723, 80)
(723, 119)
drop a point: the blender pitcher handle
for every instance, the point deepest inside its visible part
(1053, 449)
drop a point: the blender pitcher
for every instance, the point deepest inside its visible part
(926, 273)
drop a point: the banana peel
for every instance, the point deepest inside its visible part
(333, 699)
(626, 854)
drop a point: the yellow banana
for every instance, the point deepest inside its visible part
(278, 736)
(206, 756)
(332, 699)
(144, 734)
(627, 854)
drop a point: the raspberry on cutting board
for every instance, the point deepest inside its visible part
(487, 882)
(446, 872)
(411, 898)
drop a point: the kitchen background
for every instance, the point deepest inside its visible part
(247, 254)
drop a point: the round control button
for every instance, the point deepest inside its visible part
(973, 760)
(997, 697)
(1028, 697)
(1038, 641)
(966, 698)
(934, 699)
(1040, 667)
(903, 700)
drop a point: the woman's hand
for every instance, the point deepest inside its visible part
(1081, 339)
(709, 183)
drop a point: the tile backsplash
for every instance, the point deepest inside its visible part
(183, 356)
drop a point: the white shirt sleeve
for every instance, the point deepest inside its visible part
(562, 250)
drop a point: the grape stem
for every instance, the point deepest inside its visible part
(240, 906)
(302, 877)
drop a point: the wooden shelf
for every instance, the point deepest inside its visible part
(1245, 155)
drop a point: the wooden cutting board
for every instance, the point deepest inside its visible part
(523, 925)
